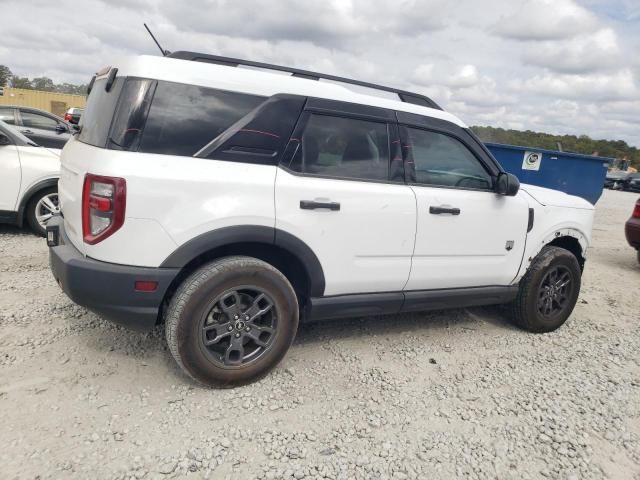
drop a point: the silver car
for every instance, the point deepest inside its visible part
(37, 125)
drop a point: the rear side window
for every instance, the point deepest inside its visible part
(96, 119)
(34, 120)
(343, 148)
(184, 118)
(128, 122)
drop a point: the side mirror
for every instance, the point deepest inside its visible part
(4, 140)
(507, 184)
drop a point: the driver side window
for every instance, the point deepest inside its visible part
(441, 160)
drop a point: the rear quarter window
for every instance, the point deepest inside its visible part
(184, 118)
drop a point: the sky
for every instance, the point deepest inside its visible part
(557, 66)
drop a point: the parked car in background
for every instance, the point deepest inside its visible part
(73, 115)
(632, 228)
(615, 179)
(40, 126)
(632, 183)
(233, 204)
(28, 180)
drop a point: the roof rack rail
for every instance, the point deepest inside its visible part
(404, 96)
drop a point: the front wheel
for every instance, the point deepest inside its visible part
(41, 207)
(232, 321)
(548, 292)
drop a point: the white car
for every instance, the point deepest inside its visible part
(28, 180)
(232, 203)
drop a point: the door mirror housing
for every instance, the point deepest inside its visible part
(4, 140)
(507, 184)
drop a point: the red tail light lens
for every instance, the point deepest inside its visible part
(67, 116)
(636, 210)
(103, 207)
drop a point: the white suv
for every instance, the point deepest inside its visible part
(232, 203)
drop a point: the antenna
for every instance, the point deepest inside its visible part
(164, 52)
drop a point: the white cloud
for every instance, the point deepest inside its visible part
(580, 54)
(546, 20)
(593, 87)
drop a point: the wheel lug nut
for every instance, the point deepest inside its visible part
(246, 317)
(229, 328)
(235, 317)
(237, 335)
(248, 329)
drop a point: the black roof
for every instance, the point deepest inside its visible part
(408, 97)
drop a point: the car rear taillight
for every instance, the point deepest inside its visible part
(67, 117)
(636, 210)
(103, 206)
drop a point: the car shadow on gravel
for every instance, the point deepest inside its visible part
(425, 323)
(13, 230)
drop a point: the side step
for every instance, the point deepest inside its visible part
(343, 306)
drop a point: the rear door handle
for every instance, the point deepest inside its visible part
(27, 132)
(444, 210)
(314, 205)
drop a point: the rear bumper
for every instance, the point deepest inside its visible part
(106, 288)
(632, 232)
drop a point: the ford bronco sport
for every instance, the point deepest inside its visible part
(232, 203)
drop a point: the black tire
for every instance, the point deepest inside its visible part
(530, 309)
(31, 213)
(195, 315)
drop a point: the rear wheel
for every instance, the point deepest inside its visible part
(548, 292)
(41, 207)
(232, 321)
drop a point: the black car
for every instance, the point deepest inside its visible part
(37, 125)
(632, 183)
(615, 180)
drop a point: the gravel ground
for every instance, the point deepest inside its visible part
(435, 395)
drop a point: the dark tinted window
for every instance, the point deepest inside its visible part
(35, 120)
(442, 160)
(343, 147)
(260, 136)
(96, 119)
(184, 118)
(129, 119)
(7, 116)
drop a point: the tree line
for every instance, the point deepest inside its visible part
(570, 143)
(8, 79)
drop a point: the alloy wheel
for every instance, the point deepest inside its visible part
(47, 207)
(555, 291)
(239, 327)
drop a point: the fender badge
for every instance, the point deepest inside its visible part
(509, 245)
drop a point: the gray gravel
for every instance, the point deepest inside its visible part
(436, 395)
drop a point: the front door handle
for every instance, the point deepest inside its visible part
(444, 210)
(26, 132)
(315, 205)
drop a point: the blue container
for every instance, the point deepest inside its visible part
(573, 173)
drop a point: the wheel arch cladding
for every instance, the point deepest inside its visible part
(284, 251)
(28, 195)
